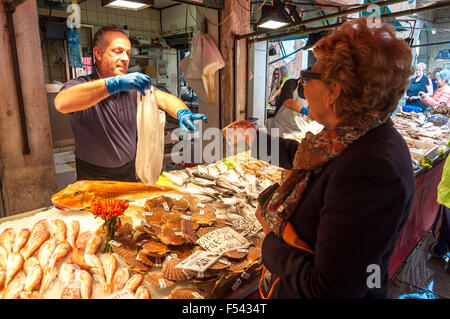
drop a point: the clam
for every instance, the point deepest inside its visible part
(187, 293)
(158, 280)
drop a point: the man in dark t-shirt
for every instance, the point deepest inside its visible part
(102, 110)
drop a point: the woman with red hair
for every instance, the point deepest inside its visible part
(331, 225)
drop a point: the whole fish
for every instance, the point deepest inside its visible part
(14, 289)
(120, 279)
(3, 258)
(72, 233)
(59, 230)
(2, 279)
(85, 280)
(96, 269)
(15, 263)
(30, 263)
(80, 194)
(21, 240)
(178, 177)
(71, 290)
(7, 239)
(143, 293)
(193, 189)
(93, 244)
(37, 238)
(46, 251)
(82, 240)
(41, 225)
(33, 279)
(59, 253)
(67, 273)
(110, 267)
(221, 166)
(134, 282)
(203, 182)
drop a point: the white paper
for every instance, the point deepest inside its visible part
(222, 240)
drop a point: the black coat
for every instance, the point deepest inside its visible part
(351, 215)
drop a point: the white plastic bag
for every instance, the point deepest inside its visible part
(150, 144)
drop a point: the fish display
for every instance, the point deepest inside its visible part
(80, 194)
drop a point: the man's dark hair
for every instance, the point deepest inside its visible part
(99, 35)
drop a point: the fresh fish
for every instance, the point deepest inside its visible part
(80, 194)
(93, 244)
(143, 293)
(72, 233)
(221, 167)
(120, 279)
(96, 269)
(85, 280)
(58, 254)
(3, 258)
(30, 263)
(134, 282)
(34, 278)
(41, 225)
(226, 184)
(109, 266)
(7, 239)
(212, 170)
(21, 240)
(14, 289)
(59, 230)
(191, 171)
(15, 263)
(193, 189)
(82, 240)
(2, 279)
(30, 295)
(47, 279)
(203, 182)
(203, 172)
(205, 199)
(238, 169)
(71, 290)
(46, 251)
(178, 177)
(37, 238)
(67, 273)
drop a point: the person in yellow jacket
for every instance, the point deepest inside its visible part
(442, 244)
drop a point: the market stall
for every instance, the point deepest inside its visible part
(200, 240)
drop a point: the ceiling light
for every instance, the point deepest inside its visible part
(128, 5)
(274, 17)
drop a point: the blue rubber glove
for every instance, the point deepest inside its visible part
(186, 118)
(130, 81)
(304, 110)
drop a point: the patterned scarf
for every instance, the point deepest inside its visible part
(312, 154)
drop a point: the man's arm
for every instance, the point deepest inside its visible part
(169, 103)
(81, 96)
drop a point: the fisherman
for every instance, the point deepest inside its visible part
(102, 110)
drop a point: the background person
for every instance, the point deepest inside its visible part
(276, 82)
(442, 94)
(284, 73)
(419, 83)
(102, 110)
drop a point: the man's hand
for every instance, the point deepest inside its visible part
(238, 131)
(130, 81)
(186, 119)
(265, 226)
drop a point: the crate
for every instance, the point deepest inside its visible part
(427, 150)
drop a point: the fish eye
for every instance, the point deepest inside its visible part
(76, 193)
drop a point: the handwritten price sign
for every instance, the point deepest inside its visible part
(222, 240)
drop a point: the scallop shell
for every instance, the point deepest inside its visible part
(148, 260)
(155, 249)
(206, 208)
(189, 231)
(154, 216)
(235, 254)
(187, 293)
(125, 231)
(152, 229)
(254, 253)
(156, 279)
(204, 230)
(181, 205)
(238, 266)
(170, 272)
(221, 264)
(182, 251)
(159, 202)
(171, 233)
(135, 264)
(203, 218)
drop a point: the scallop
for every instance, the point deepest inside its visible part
(158, 280)
(155, 249)
(170, 272)
(187, 293)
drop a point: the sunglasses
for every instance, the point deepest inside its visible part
(306, 75)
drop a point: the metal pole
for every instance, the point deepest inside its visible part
(318, 19)
(431, 43)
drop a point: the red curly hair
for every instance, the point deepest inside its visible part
(371, 65)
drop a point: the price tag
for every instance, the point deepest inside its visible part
(236, 284)
(115, 243)
(186, 217)
(197, 295)
(242, 250)
(179, 197)
(244, 233)
(147, 213)
(222, 240)
(166, 207)
(245, 275)
(201, 205)
(162, 283)
(178, 233)
(202, 212)
(158, 262)
(225, 262)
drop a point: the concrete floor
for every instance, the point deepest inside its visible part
(422, 276)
